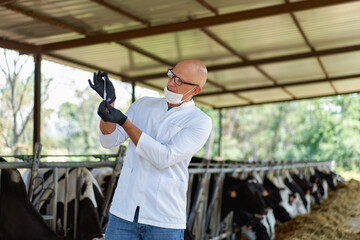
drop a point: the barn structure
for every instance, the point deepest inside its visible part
(256, 51)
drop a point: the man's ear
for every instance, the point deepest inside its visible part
(197, 90)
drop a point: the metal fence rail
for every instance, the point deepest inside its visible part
(203, 214)
(33, 162)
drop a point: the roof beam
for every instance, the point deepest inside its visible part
(18, 46)
(226, 66)
(196, 23)
(208, 6)
(297, 83)
(4, 2)
(290, 100)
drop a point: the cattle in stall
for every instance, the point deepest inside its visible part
(89, 205)
(306, 187)
(18, 217)
(273, 200)
(290, 201)
(244, 199)
(296, 189)
(328, 176)
(318, 178)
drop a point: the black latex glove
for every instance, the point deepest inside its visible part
(114, 115)
(98, 86)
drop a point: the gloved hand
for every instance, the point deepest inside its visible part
(113, 115)
(98, 86)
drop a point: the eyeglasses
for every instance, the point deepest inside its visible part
(177, 80)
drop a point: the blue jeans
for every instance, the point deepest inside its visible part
(121, 229)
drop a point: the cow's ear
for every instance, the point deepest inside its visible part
(233, 194)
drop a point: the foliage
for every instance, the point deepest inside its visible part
(318, 129)
(16, 103)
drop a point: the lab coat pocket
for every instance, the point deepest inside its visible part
(171, 198)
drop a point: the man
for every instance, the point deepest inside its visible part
(150, 198)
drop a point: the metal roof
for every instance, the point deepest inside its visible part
(256, 51)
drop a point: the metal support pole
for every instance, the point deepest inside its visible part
(37, 99)
(77, 199)
(54, 202)
(198, 209)
(133, 92)
(189, 191)
(220, 134)
(116, 172)
(66, 200)
(201, 218)
(214, 210)
(34, 169)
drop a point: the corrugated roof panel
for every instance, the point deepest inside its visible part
(139, 61)
(210, 88)
(311, 90)
(195, 44)
(82, 14)
(223, 100)
(266, 95)
(99, 55)
(19, 27)
(333, 26)
(236, 5)
(342, 64)
(111, 56)
(239, 78)
(263, 37)
(303, 69)
(163, 11)
(163, 46)
(181, 45)
(348, 85)
(133, 72)
(221, 59)
(159, 82)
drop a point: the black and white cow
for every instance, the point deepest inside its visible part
(273, 199)
(103, 177)
(290, 201)
(245, 199)
(89, 205)
(18, 217)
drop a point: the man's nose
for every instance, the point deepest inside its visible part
(171, 82)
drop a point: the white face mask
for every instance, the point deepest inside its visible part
(175, 98)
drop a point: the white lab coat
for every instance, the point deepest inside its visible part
(155, 172)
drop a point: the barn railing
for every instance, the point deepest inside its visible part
(203, 213)
(33, 162)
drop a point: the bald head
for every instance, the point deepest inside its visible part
(193, 70)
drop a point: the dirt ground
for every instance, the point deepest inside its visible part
(338, 217)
